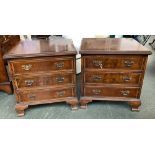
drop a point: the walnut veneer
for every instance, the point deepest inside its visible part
(112, 69)
(43, 71)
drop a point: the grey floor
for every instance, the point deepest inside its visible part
(96, 110)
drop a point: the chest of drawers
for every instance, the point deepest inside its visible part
(43, 71)
(6, 42)
(113, 70)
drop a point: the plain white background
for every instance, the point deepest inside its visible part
(77, 18)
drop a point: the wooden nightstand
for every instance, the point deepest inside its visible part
(113, 70)
(43, 71)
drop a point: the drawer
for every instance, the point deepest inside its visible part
(44, 80)
(115, 62)
(113, 77)
(131, 92)
(41, 65)
(45, 94)
(4, 38)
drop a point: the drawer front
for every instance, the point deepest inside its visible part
(44, 80)
(113, 78)
(114, 62)
(43, 94)
(4, 38)
(41, 65)
(131, 92)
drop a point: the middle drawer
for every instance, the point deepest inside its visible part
(29, 81)
(113, 77)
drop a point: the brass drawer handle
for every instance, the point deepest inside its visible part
(27, 67)
(127, 78)
(125, 92)
(59, 65)
(128, 63)
(97, 78)
(4, 38)
(32, 96)
(29, 82)
(60, 79)
(60, 93)
(96, 91)
(98, 63)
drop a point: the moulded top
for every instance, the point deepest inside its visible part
(37, 48)
(112, 46)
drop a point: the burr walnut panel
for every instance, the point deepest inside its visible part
(113, 77)
(45, 94)
(41, 65)
(115, 62)
(39, 80)
(130, 92)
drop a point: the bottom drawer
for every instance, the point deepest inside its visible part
(132, 92)
(45, 94)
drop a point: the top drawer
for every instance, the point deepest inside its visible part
(114, 62)
(41, 65)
